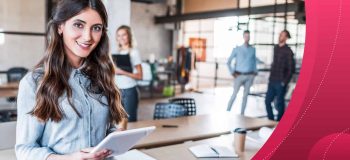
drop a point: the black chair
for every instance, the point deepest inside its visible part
(189, 104)
(8, 113)
(169, 110)
(15, 74)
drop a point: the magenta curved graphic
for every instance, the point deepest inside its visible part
(319, 105)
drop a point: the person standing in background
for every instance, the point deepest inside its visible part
(128, 70)
(282, 70)
(244, 70)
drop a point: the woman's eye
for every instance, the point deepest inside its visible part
(78, 25)
(97, 28)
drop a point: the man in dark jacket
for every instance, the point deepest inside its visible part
(282, 69)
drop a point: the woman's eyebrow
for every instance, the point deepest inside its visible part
(79, 20)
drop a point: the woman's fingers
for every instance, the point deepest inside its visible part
(95, 156)
(86, 150)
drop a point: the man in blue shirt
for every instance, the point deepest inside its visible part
(244, 70)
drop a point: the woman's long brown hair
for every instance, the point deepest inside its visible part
(53, 71)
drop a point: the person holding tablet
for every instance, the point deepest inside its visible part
(69, 102)
(128, 70)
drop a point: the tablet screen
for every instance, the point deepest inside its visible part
(120, 142)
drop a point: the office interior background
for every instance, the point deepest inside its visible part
(161, 28)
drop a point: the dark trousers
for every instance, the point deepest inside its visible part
(275, 90)
(130, 102)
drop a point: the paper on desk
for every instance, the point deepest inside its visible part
(133, 155)
(206, 151)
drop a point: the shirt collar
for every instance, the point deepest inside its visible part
(78, 71)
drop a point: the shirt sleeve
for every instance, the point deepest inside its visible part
(290, 68)
(229, 61)
(112, 128)
(29, 128)
(135, 57)
(256, 61)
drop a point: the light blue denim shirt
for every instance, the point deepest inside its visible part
(245, 59)
(35, 140)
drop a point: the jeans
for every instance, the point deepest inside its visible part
(130, 102)
(277, 90)
(241, 80)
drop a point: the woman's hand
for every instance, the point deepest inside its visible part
(121, 129)
(83, 154)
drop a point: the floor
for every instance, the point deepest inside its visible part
(210, 100)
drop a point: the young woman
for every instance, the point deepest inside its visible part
(69, 102)
(128, 71)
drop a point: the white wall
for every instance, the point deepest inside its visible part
(29, 16)
(21, 16)
(151, 38)
(118, 14)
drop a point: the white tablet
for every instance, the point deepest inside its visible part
(121, 142)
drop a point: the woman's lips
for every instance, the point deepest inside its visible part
(84, 46)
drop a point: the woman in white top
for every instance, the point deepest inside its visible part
(128, 70)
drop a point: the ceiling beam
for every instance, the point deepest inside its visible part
(292, 7)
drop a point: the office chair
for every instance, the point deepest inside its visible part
(169, 110)
(189, 104)
(15, 74)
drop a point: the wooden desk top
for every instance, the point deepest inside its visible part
(178, 151)
(9, 89)
(8, 93)
(10, 86)
(181, 151)
(195, 128)
(190, 128)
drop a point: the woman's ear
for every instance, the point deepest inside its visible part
(60, 29)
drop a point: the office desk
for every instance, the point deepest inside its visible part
(190, 128)
(182, 152)
(6, 93)
(9, 89)
(195, 128)
(179, 151)
(9, 86)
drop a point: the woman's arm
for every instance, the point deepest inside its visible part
(29, 129)
(137, 75)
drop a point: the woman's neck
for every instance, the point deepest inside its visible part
(76, 63)
(125, 47)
